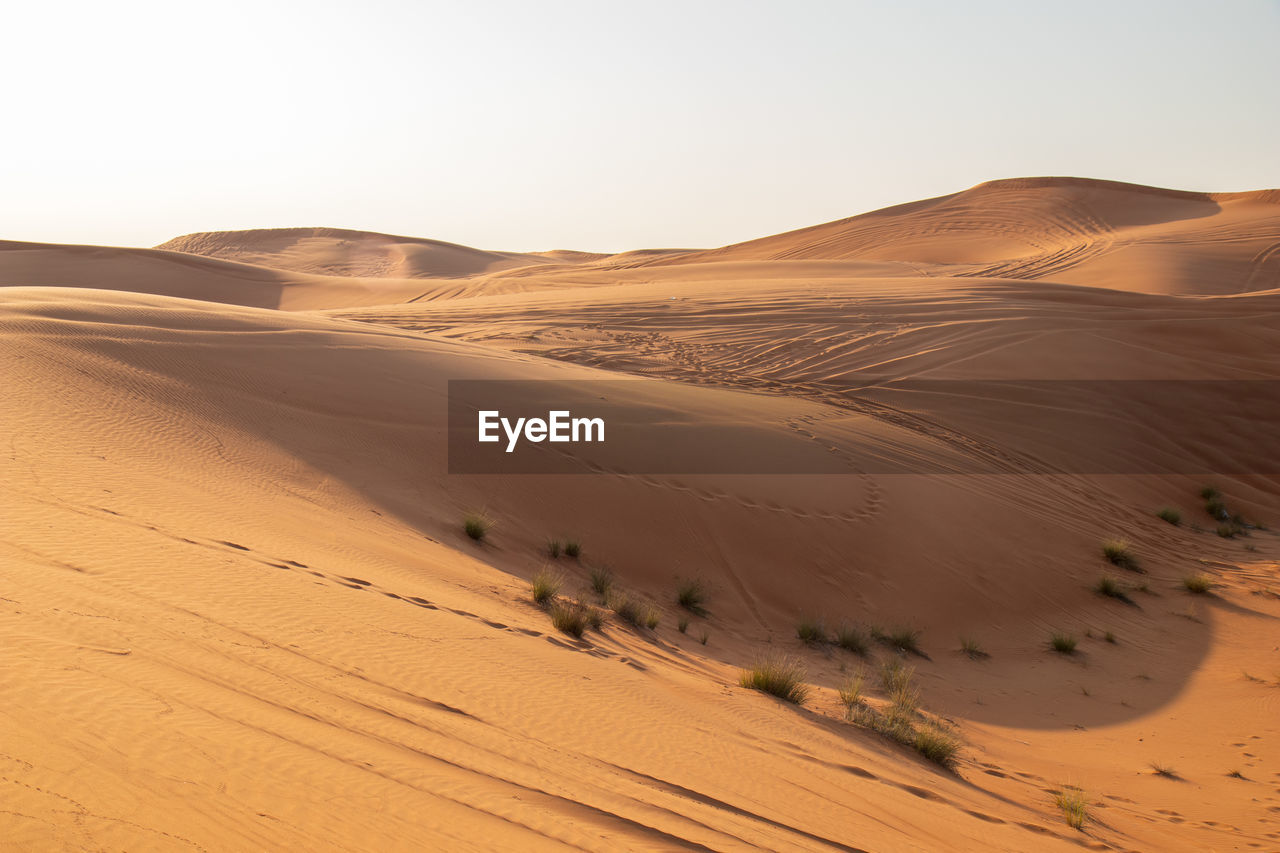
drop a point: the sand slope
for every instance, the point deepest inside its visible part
(242, 614)
(1100, 233)
(190, 276)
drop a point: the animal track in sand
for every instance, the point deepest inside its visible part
(358, 584)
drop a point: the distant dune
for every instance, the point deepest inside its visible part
(363, 254)
(238, 610)
(1101, 233)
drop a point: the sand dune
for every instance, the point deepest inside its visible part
(365, 254)
(1100, 233)
(191, 276)
(242, 613)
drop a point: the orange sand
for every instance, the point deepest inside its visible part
(238, 611)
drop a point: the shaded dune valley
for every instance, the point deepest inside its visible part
(244, 604)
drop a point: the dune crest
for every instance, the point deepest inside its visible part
(1073, 230)
(363, 254)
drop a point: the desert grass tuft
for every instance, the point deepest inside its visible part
(1110, 587)
(625, 608)
(811, 631)
(900, 720)
(1169, 514)
(1229, 529)
(691, 594)
(1214, 505)
(902, 639)
(545, 586)
(972, 648)
(703, 637)
(553, 548)
(1236, 774)
(1163, 770)
(630, 611)
(477, 525)
(852, 639)
(1197, 584)
(1074, 805)
(1062, 643)
(1118, 553)
(777, 676)
(682, 625)
(899, 687)
(851, 693)
(572, 548)
(1109, 638)
(601, 581)
(937, 744)
(571, 617)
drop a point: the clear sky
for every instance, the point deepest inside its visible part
(607, 125)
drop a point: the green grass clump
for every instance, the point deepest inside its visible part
(691, 594)
(851, 638)
(476, 525)
(683, 624)
(1062, 643)
(900, 720)
(625, 608)
(902, 639)
(1118, 553)
(553, 548)
(937, 744)
(1074, 805)
(972, 648)
(899, 687)
(601, 581)
(545, 586)
(1229, 529)
(1109, 638)
(571, 617)
(573, 548)
(630, 611)
(779, 677)
(1197, 584)
(1209, 493)
(1170, 515)
(1216, 508)
(1110, 587)
(812, 632)
(851, 693)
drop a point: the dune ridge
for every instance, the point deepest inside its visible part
(366, 254)
(1074, 230)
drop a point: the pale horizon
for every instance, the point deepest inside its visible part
(599, 129)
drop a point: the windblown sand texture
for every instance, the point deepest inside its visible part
(238, 610)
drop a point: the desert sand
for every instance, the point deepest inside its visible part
(238, 610)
